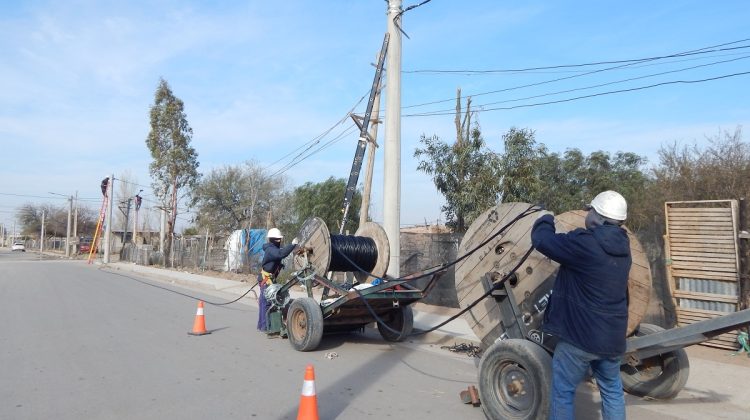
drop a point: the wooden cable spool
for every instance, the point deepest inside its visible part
(315, 236)
(535, 277)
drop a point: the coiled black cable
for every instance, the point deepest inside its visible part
(353, 253)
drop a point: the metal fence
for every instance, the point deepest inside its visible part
(196, 253)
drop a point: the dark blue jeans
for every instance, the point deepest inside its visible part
(262, 308)
(569, 366)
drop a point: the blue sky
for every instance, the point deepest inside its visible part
(261, 79)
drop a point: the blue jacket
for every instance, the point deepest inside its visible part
(272, 256)
(589, 303)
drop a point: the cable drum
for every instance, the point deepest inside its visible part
(368, 249)
(360, 250)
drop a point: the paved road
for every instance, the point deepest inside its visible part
(81, 342)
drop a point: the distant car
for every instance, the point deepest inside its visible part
(18, 246)
(84, 245)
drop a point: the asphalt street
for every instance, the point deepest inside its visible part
(80, 342)
(94, 342)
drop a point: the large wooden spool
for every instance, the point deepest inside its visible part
(315, 235)
(535, 277)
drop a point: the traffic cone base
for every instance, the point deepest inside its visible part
(308, 404)
(199, 325)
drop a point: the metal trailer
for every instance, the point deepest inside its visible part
(504, 286)
(304, 320)
(515, 372)
(342, 307)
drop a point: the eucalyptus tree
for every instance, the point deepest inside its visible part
(174, 168)
(466, 172)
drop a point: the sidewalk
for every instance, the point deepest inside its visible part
(425, 316)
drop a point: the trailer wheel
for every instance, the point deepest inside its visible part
(661, 377)
(305, 324)
(514, 380)
(402, 320)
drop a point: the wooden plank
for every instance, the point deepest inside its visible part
(726, 269)
(712, 297)
(699, 220)
(675, 210)
(696, 256)
(700, 230)
(699, 242)
(697, 209)
(705, 238)
(720, 253)
(707, 275)
(697, 246)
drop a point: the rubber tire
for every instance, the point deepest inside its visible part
(305, 324)
(515, 356)
(672, 370)
(401, 320)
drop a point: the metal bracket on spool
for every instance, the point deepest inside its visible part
(511, 318)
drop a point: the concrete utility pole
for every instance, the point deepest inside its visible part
(41, 237)
(75, 219)
(108, 232)
(392, 148)
(67, 229)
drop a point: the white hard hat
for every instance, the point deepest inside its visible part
(610, 204)
(274, 233)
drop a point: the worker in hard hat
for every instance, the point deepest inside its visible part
(273, 254)
(588, 308)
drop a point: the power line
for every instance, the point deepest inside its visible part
(590, 96)
(598, 85)
(562, 66)
(685, 53)
(315, 140)
(294, 163)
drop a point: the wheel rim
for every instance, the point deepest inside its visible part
(648, 370)
(298, 324)
(515, 387)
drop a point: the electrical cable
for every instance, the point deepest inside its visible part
(428, 272)
(315, 140)
(361, 250)
(397, 18)
(531, 210)
(681, 54)
(596, 63)
(313, 152)
(599, 85)
(725, 76)
(179, 293)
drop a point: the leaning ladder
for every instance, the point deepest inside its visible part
(98, 231)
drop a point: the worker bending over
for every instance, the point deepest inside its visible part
(588, 309)
(273, 254)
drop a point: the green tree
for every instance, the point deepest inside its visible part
(235, 197)
(175, 163)
(466, 173)
(324, 200)
(520, 166)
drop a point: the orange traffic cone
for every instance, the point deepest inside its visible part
(199, 326)
(308, 403)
